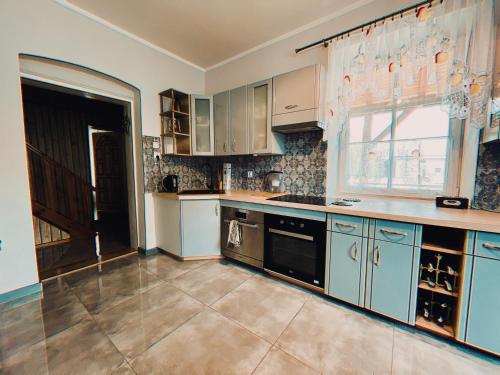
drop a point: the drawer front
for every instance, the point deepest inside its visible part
(488, 245)
(394, 231)
(346, 224)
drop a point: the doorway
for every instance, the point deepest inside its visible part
(78, 169)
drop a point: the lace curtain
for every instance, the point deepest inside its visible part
(440, 52)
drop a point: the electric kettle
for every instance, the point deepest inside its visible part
(170, 183)
(273, 182)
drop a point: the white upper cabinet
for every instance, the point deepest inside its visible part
(221, 123)
(296, 96)
(202, 125)
(262, 139)
(238, 121)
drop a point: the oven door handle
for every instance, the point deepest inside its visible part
(291, 234)
(243, 224)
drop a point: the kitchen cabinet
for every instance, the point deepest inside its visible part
(296, 96)
(390, 278)
(242, 118)
(238, 121)
(200, 223)
(347, 267)
(483, 328)
(188, 228)
(202, 125)
(221, 123)
(373, 265)
(261, 138)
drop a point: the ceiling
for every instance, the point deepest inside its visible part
(208, 32)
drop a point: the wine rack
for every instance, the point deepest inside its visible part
(440, 276)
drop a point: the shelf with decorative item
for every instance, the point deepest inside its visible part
(428, 325)
(175, 133)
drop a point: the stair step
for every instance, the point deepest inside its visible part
(53, 244)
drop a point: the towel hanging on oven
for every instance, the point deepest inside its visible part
(234, 236)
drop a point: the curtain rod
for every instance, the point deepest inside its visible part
(374, 22)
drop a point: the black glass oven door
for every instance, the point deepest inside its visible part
(297, 255)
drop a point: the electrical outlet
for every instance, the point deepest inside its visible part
(249, 174)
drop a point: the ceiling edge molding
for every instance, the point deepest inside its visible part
(118, 29)
(310, 25)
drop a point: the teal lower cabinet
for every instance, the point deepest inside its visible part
(389, 281)
(346, 268)
(483, 323)
(200, 227)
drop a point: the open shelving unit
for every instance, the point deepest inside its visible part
(439, 288)
(175, 135)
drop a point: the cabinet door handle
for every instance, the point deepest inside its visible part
(224, 148)
(216, 209)
(233, 146)
(491, 246)
(393, 232)
(291, 106)
(376, 256)
(345, 225)
(355, 246)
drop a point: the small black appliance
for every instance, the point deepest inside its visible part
(170, 183)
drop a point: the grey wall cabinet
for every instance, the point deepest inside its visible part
(243, 121)
(238, 121)
(221, 123)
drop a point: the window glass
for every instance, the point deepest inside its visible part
(405, 150)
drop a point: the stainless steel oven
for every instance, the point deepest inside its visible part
(251, 226)
(295, 248)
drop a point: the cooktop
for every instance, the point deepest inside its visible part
(317, 201)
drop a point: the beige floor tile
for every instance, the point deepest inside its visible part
(262, 306)
(211, 281)
(207, 344)
(334, 340)
(166, 267)
(278, 362)
(144, 319)
(109, 289)
(82, 349)
(56, 310)
(416, 354)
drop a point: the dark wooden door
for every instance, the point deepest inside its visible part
(111, 191)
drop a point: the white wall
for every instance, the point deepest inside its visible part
(45, 28)
(280, 57)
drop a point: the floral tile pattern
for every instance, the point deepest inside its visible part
(303, 166)
(487, 194)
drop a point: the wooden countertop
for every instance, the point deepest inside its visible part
(406, 210)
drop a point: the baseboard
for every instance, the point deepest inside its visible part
(148, 252)
(24, 294)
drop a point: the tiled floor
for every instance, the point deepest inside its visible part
(156, 315)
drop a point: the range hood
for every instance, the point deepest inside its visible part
(300, 127)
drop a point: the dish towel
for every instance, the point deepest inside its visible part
(234, 236)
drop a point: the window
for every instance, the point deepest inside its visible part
(406, 151)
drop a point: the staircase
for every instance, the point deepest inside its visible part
(59, 196)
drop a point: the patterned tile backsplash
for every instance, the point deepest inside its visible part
(487, 194)
(303, 166)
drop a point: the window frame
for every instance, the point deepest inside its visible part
(453, 164)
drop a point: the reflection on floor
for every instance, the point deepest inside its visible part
(156, 315)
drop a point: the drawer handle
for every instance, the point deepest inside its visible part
(376, 258)
(355, 256)
(344, 225)
(490, 246)
(291, 106)
(394, 232)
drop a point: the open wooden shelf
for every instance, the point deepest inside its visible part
(175, 134)
(436, 289)
(429, 325)
(439, 249)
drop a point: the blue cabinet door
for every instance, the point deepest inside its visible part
(200, 222)
(391, 279)
(483, 329)
(347, 256)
